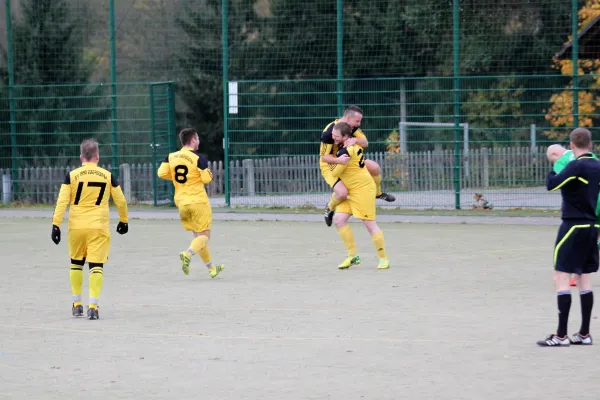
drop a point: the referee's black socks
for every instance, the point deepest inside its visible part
(587, 303)
(564, 306)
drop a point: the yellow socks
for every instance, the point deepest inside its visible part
(96, 280)
(348, 239)
(379, 244)
(198, 244)
(377, 180)
(76, 276)
(333, 203)
(205, 255)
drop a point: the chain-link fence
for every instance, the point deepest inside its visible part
(461, 98)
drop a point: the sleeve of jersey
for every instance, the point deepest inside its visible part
(326, 143)
(64, 197)
(164, 171)
(205, 172)
(119, 198)
(555, 181)
(338, 169)
(359, 134)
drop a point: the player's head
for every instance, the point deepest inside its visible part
(189, 138)
(581, 139)
(353, 116)
(554, 152)
(89, 151)
(341, 132)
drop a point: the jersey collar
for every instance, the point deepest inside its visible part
(586, 155)
(89, 163)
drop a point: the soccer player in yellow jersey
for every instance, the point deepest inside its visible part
(360, 202)
(189, 172)
(353, 117)
(86, 191)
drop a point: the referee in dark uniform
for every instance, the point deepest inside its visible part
(576, 250)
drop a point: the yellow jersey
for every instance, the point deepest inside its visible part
(328, 145)
(189, 172)
(86, 191)
(354, 174)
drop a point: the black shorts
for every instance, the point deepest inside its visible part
(576, 249)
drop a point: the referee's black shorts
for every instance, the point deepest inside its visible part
(576, 248)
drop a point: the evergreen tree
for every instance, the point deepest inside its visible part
(55, 106)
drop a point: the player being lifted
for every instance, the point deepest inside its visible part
(352, 116)
(559, 157)
(361, 196)
(86, 191)
(189, 172)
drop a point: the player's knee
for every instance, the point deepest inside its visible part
(341, 192)
(96, 266)
(202, 233)
(80, 263)
(372, 227)
(339, 220)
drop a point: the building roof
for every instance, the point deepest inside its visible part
(589, 43)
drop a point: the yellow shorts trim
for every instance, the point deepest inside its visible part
(196, 217)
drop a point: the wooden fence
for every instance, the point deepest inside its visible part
(417, 171)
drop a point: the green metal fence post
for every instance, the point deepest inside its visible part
(172, 127)
(456, 100)
(153, 135)
(11, 100)
(340, 56)
(171, 116)
(575, 58)
(225, 54)
(113, 81)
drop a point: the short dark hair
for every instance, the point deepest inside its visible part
(186, 135)
(581, 138)
(343, 128)
(352, 110)
(89, 149)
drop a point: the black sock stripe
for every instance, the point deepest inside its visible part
(78, 262)
(94, 265)
(76, 269)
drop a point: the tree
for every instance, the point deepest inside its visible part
(55, 105)
(560, 114)
(201, 60)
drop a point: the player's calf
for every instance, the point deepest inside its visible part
(340, 193)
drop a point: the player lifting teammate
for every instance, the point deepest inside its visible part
(328, 160)
(189, 172)
(351, 170)
(85, 192)
(576, 250)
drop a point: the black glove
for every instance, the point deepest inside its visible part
(55, 234)
(122, 228)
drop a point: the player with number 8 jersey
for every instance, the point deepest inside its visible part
(189, 172)
(86, 191)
